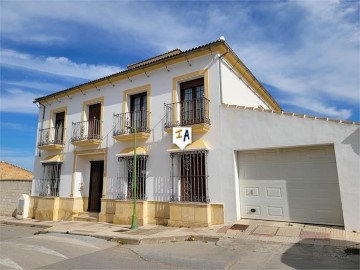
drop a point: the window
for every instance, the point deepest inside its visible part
(59, 128)
(189, 176)
(126, 177)
(94, 129)
(192, 102)
(138, 112)
(49, 184)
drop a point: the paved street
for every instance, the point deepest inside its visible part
(21, 249)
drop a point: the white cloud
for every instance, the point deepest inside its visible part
(18, 101)
(319, 107)
(16, 126)
(60, 66)
(44, 86)
(313, 53)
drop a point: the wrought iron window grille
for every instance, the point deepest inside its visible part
(48, 186)
(189, 176)
(125, 179)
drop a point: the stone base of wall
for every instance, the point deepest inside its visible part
(55, 208)
(195, 215)
(121, 212)
(162, 213)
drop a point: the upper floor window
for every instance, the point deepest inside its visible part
(138, 112)
(52, 138)
(59, 127)
(190, 103)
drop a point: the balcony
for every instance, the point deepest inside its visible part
(136, 119)
(51, 138)
(192, 113)
(87, 133)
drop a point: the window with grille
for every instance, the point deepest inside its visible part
(49, 184)
(126, 178)
(189, 176)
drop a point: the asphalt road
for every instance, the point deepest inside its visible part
(21, 249)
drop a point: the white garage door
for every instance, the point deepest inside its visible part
(292, 184)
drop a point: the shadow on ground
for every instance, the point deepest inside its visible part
(319, 254)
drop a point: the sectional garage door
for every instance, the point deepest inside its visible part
(290, 184)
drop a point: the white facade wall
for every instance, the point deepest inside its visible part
(252, 130)
(235, 91)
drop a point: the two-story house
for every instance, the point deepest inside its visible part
(247, 159)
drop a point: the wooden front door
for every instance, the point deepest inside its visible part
(96, 185)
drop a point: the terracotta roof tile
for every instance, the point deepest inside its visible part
(12, 172)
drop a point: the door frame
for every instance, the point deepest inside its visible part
(94, 204)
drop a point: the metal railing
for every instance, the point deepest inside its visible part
(138, 119)
(186, 113)
(189, 177)
(49, 136)
(86, 130)
(47, 187)
(125, 178)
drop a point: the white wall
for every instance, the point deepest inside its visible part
(235, 91)
(249, 130)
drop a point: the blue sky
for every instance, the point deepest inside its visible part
(305, 52)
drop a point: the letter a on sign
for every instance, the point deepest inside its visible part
(182, 136)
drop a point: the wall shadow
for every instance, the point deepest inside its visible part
(307, 254)
(354, 140)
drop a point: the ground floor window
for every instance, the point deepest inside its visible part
(189, 176)
(126, 175)
(49, 184)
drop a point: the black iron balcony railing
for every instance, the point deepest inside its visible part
(135, 119)
(47, 187)
(51, 136)
(187, 113)
(86, 130)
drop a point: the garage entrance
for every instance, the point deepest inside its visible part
(290, 184)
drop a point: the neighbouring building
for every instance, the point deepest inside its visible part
(14, 181)
(247, 159)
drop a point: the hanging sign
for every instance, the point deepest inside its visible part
(182, 136)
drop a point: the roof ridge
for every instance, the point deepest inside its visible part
(299, 115)
(16, 166)
(138, 66)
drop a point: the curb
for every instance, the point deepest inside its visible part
(24, 224)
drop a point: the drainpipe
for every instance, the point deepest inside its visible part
(42, 120)
(220, 79)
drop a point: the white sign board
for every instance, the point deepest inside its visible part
(182, 136)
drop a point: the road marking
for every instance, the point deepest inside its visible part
(66, 240)
(10, 263)
(40, 249)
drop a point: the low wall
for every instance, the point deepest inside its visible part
(195, 215)
(10, 191)
(163, 213)
(121, 212)
(55, 208)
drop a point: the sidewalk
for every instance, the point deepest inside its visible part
(258, 230)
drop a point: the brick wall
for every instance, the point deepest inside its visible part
(10, 191)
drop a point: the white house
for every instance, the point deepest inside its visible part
(247, 159)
